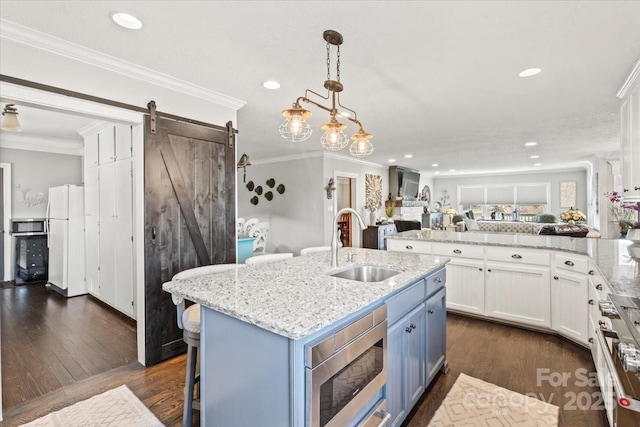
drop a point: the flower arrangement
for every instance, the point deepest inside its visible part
(572, 216)
(451, 212)
(624, 213)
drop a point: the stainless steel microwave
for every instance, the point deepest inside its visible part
(28, 227)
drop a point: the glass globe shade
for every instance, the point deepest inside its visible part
(295, 129)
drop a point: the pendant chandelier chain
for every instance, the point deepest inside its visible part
(328, 61)
(338, 65)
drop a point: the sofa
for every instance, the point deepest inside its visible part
(541, 228)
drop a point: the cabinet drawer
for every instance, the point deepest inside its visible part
(574, 263)
(519, 256)
(416, 246)
(435, 281)
(455, 250)
(400, 304)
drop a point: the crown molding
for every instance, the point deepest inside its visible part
(47, 145)
(39, 40)
(633, 77)
(93, 127)
(353, 160)
(287, 158)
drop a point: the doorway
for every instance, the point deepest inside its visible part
(5, 216)
(346, 184)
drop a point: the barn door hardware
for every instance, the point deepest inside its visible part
(152, 114)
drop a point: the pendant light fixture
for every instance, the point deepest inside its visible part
(10, 119)
(295, 127)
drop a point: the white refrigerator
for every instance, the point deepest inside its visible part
(65, 215)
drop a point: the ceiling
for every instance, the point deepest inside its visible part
(438, 79)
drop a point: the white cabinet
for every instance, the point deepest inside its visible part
(92, 229)
(436, 333)
(570, 298)
(109, 229)
(465, 285)
(114, 143)
(630, 135)
(91, 150)
(518, 293)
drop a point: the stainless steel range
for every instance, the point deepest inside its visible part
(619, 353)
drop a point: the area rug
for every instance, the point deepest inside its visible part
(472, 402)
(118, 407)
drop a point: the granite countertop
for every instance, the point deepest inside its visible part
(296, 297)
(617, 259)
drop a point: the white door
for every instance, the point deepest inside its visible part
(570, 305)
(107, 233)
(465, 285)
(123, 238)
(92, 230)
(58, 238)
(59, 202)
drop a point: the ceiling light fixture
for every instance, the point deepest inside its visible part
(10, 119)
(392, 160)
(408, 156)
(537, 164)
(530, 72)
(535, 156)
(126, 20)
(296, 129)
(435, 165)
(530, 144)
(271, 84)
(452, 170)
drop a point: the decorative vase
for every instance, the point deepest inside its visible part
(372, 218)
(572, 222)
(633, 234)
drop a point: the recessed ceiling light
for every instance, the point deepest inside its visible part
(537, 164)
(392, 160)
(530, 72)
(436, 172)
(452, 170)
(435, 165)
(271, 84)
(344, 114)
(530, 144)
(126, 20)
(535, 156)
(408, 156)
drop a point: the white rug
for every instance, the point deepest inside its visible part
(118, 407)
(472, 402)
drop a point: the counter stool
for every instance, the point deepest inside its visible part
(314, 249)
(259, 259)
(189, 322)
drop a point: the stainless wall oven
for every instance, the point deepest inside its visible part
(346, 370)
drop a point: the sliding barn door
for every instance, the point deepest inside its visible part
(189, 217)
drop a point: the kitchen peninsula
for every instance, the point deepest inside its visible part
(260, 324)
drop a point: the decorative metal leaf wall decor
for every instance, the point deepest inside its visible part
(259, 190)
(373, 191)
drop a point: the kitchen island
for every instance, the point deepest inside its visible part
(259, 322)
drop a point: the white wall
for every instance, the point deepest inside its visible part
(33, 172)
(552, 177)
(295, 217)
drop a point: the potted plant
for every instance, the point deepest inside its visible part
(625, 213)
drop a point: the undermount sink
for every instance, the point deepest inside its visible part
(366, 273)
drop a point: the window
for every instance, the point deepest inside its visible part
(521, 202)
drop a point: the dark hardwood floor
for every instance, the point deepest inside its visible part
(506, 356)
(49, 341)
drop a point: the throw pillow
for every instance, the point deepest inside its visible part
(472, 224)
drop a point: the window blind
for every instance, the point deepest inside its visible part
(471, 195)
(503, 195)
(535, 194)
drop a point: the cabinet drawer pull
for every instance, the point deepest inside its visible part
(555, 277)
(409, 247)
(590, 302)
(437, 280)
(516, 256)
(569, 263)
(457, 251)
(590, 340)
(430, 311)
(489, 270)
(408, 329)
(480, 268)
(599, 286)
(601, 323)
(413, 326)
(591, 272)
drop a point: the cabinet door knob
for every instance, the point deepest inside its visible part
(457, 251)
(489, 270)
(480, 268)
(591, 272)
(599, 286)
(408, 329)
(569, 263)
(590, 302)
(590, 340)
(555, 277)
(409, 247)
(601, 323)
(430, 311)
(516, 256)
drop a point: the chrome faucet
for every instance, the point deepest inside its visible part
(334, 238)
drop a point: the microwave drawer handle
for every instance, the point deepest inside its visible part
(617, 384)
(385, 417)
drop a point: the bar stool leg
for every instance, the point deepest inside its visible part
(192, 357)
